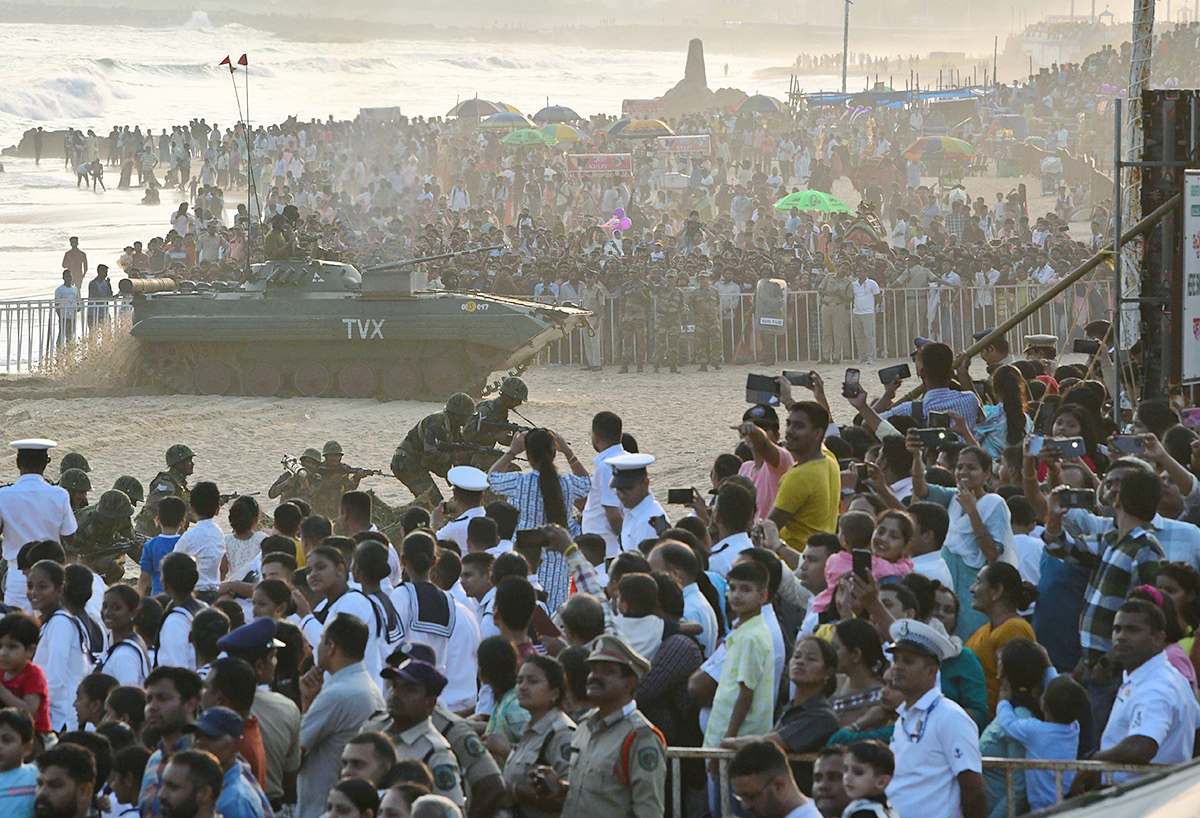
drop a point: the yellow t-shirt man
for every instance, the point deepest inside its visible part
(810, 492)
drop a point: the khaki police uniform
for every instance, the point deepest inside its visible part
(474, 761)
(545, 742)
(426, 744)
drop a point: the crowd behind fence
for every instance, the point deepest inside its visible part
(949, 315)
(35, 331)
(1011, 767)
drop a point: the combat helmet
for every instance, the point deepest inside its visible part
(114, 505)
(177, 454)
(514, 388)
(332, 447)
(73, 460)
(75, 480)
(460, 403)
(311, 454)
(132, 488)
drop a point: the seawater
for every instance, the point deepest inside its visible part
(98, 76)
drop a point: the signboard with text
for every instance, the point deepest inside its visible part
(600, 163)
(641, 108)
(1190, 354)
(693, 145)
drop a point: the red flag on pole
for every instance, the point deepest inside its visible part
(242, 61)
(227, 61)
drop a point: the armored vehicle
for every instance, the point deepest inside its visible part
(323, 328)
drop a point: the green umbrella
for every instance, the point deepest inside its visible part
(525, 138)
(812, 200)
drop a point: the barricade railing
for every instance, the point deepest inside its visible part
(1010, 766)
(815, 329)
(33, 332)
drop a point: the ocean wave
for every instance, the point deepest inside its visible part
(348, 65)
(74, 95)
(197, 22)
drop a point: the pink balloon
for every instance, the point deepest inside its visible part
(626, 224)
(619, 212)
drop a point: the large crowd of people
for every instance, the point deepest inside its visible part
(1001, 568)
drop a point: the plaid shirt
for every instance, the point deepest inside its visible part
(955, 222)
(1117, 564)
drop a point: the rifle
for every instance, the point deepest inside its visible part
(501, 426)
(227, 498)
(456, 446)
(118, 549)
(344, 469)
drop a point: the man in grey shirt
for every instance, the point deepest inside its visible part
(335, 709)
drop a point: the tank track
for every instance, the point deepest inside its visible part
(425, 371)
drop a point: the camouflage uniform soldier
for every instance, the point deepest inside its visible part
(636, 303)
(102, 525)
(837, 293)
(705, 303)
(73, 460)
(487, 425)
(169, 483)
(336, 479)
(429, 448)
(300, 484)
(77, 484)
(669, 309)
(132, 487)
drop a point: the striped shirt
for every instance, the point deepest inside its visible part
(940, 400)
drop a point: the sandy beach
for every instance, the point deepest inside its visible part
(682, 419)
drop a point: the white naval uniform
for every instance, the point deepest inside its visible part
(933, 742)
(639, 523)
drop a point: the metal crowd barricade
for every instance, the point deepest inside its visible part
(35, 331)
(1011, 767)
(940, 313)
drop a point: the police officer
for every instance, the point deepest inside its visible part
(430, 447)
(74, 460)
(412, 690)
(169, 483)
(669, 305)
(102, 525)
(594, 298)
(487, 426)
(836, 294)
(613, 741)
(636, 303)
(132, 487)
(482, 779)
(77, 484)
(301, 483)
(705, 303)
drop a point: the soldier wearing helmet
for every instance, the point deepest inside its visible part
(336, 479)
(74, 460)
(433, 446)
(132, 487)
(169, 483)
(77, 484)
(490, 426)
(101, 527)
(299, 483)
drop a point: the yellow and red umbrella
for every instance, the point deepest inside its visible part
(643, 129)
(939, 147)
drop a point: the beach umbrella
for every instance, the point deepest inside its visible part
(938, 147)
(643, 129)
(760, 104)
(556, 113)
(812, 200)
(474, 107)
(505, 121)
(562, 132)
(615, 128)
(512, 109)
(526, 137)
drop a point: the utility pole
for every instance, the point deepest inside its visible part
(1131, 200)
(845, 44)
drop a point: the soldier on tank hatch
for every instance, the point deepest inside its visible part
(105, 535)
(170, 483)
(433, 446)
(77, 484)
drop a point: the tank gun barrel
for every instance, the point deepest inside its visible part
(141, 286)
(400, 265)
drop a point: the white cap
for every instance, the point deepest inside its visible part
(917, 637)
(467, 478)
(33, 443)
(629, 462)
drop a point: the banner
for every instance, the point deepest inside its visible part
(1190, 357)
(641, 108)
(600, 163)
(694, 145)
